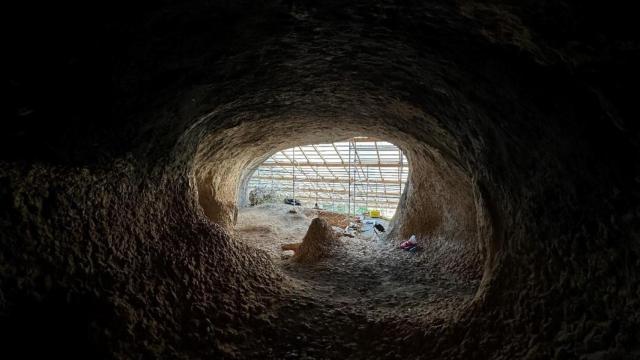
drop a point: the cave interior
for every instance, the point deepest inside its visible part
(131, 130)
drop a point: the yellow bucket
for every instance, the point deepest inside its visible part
(374, 213)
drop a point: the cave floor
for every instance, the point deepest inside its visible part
(370, 296)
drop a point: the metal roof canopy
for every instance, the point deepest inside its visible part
(360, 173)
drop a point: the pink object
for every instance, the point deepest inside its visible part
(409, 243)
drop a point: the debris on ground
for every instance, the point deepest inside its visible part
(348, 234)
(292, 246)
(289, 201)
(410, 245)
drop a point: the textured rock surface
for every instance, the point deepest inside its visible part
(130, 130)
(319, 242)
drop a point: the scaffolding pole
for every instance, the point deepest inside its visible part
(366, 192)
(355, 175)
(401, 171)
(349, 177)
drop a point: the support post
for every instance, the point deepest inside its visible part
(349, 194)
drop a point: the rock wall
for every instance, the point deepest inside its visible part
(129, 131)
(112, 262)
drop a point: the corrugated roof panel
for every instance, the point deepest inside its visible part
(377, 172)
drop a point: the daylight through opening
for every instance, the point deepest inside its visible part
(357, 176)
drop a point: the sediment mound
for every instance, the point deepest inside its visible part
(318, 243)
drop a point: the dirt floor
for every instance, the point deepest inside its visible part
(349, 301)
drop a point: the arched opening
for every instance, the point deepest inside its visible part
(440, 202)
(362, 275)
(366, 264)
(360, 176)
(131, 130)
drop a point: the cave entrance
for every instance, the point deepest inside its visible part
(317, 192)
(361, 176)
(354, 184)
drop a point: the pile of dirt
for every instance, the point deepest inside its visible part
(318, 243)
